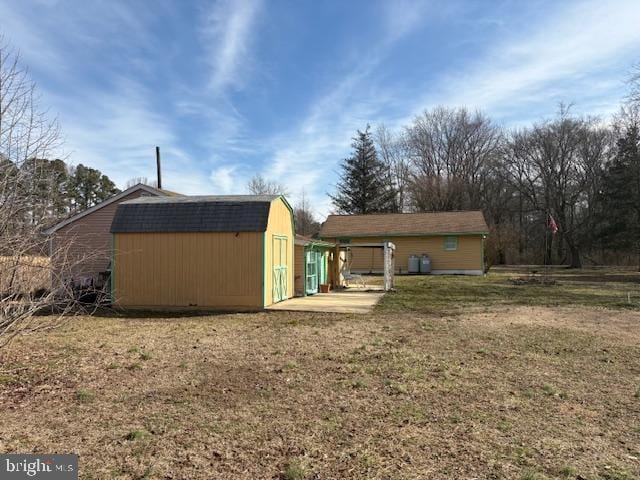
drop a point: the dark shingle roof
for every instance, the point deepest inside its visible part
(230, 213)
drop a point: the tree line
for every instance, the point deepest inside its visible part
(53, 190)
(577, 171)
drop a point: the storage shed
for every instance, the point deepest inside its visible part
(211, 252)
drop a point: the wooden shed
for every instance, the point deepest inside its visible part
(203, 252)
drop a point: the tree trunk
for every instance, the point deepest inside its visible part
(548, 248)
(575, 255)
(520, 233)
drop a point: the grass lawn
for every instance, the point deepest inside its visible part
(449, 378)
(595, 287)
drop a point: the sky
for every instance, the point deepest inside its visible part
(230, 89)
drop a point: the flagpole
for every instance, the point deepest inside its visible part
(546, 240)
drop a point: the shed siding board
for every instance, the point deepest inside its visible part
(468, 256)
(280, 224)
(299, 261)
(85, 244)
(199, 270)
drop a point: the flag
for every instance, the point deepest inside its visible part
(552, 224)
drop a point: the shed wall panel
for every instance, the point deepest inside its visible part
(217, 270)
(299, 279)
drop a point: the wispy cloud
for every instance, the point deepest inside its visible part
(124, 78)
(227, 33)
(113, 124)
(403, 16)
(304, 157)
(225, 180)
(559, 59)
(116, 131)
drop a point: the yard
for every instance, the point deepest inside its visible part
(449, 378)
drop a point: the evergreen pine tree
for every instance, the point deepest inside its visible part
(621, 195)
(365, 186)
(88, 187)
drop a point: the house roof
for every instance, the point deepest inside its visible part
(220, 213)
(304, 240)
(140, 186)
(405, 224)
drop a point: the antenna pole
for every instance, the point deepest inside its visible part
(158, 167)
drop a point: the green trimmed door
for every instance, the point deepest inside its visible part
(280, 270)
(311, 283)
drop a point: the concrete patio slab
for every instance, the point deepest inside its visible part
(341, 301)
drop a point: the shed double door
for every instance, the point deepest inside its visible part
(280, 270)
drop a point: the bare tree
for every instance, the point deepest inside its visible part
(258, 185)
(451, 151)
(634, 86)
(393, 152)
(132, 182)
(27, 133)
(557, 167)
(305, 221)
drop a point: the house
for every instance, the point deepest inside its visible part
(80, 246)
(454, 241)
(312, 265)
(203, 252)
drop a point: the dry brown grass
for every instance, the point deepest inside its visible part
(31, 273)
(517, 392)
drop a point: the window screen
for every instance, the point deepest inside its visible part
(450, 243)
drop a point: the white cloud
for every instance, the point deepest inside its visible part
(559, 59)
(117, 131)
(227, 35)
(33, 47)
(305, 157)
(403, 16)
(226, 180)
(114, 124)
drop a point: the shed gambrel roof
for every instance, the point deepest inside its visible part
(219, 213)
(405, 224)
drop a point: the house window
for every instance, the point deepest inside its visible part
(450, 244)
(344, 240)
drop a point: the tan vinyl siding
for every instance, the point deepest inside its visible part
(193, 270)
(467, 257)
(83, 247)
(280, 224)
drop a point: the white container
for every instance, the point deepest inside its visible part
(425, 264)
(414, 264)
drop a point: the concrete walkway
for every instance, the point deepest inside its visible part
(341, 301)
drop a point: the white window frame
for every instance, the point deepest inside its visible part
(448, 247)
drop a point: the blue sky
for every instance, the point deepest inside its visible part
(229, 89)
